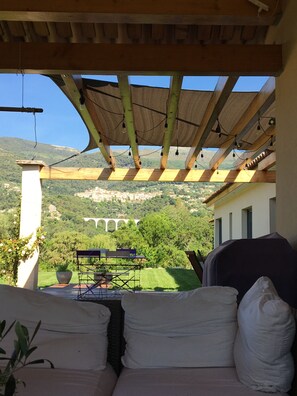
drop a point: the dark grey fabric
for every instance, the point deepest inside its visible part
(239, 263)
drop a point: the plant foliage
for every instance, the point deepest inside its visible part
(23, 349)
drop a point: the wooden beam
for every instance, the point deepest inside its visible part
(258, 106)
(72, 90)
(267, 162)
(160, 59)
(167, 175)
(125, 92)
(217, 101)
(224, 191)
(172, 107)
(234, 12)
(262, 143)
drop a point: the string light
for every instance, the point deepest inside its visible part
(82, 99)
(218, 129)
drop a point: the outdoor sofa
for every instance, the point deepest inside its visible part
(198, 343)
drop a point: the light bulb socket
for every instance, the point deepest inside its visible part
(272, 121)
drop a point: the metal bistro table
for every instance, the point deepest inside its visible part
(106, 274)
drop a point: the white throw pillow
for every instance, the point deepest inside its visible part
(73, 335)
(266, 330)
(186, 329)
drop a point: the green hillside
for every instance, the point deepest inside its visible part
(17, 149)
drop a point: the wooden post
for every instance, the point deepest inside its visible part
(30, 219)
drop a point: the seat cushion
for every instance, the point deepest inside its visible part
(62, 382)
(183, 382)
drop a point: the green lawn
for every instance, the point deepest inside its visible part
(158, 279)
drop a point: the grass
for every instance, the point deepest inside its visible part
(151, 279)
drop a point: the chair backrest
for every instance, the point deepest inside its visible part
(196, 264)
(118, 254)
(239, 263)
(132, 252)
(88, 253)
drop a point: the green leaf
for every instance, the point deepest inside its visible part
(31, 350)
(10, 386)
(40, 361)
(9, 328)
(2, 327)
(36, 330)
(22, 339)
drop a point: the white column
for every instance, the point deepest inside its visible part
(30, 219)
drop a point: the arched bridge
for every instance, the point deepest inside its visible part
(108, 220)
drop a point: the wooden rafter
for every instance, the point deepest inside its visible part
(217, 101)
(71, 89)
(145, 11)
(172, 108)
(125, 93)
(259, 146)
(95, 58)
(226, 190)
(258, 106)
(166, 175)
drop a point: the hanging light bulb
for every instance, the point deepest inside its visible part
(177, 152)
(218, 129)
(129, 151)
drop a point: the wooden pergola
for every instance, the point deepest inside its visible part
(71, 39)
(225, 38)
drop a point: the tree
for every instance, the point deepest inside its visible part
(128, 236)
(62, 248)
(13, 249)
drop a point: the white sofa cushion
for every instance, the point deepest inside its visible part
(264, 339)
(73, 335)
(186, 329)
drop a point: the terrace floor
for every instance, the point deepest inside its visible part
(71, 291)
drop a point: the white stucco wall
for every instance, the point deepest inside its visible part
(286, 106)
(256, 196)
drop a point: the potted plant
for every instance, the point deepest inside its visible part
(63, 273)
(23, 349)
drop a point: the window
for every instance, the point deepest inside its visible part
(247, 223)
(272, 214)
(230, 226)
(218, 232)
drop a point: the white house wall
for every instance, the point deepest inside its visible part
(256, 196)
(286, 125)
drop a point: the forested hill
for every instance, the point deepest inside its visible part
(12, 149)
(82, 194)
(67, 203)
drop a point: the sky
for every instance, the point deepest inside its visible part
(60, 124)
